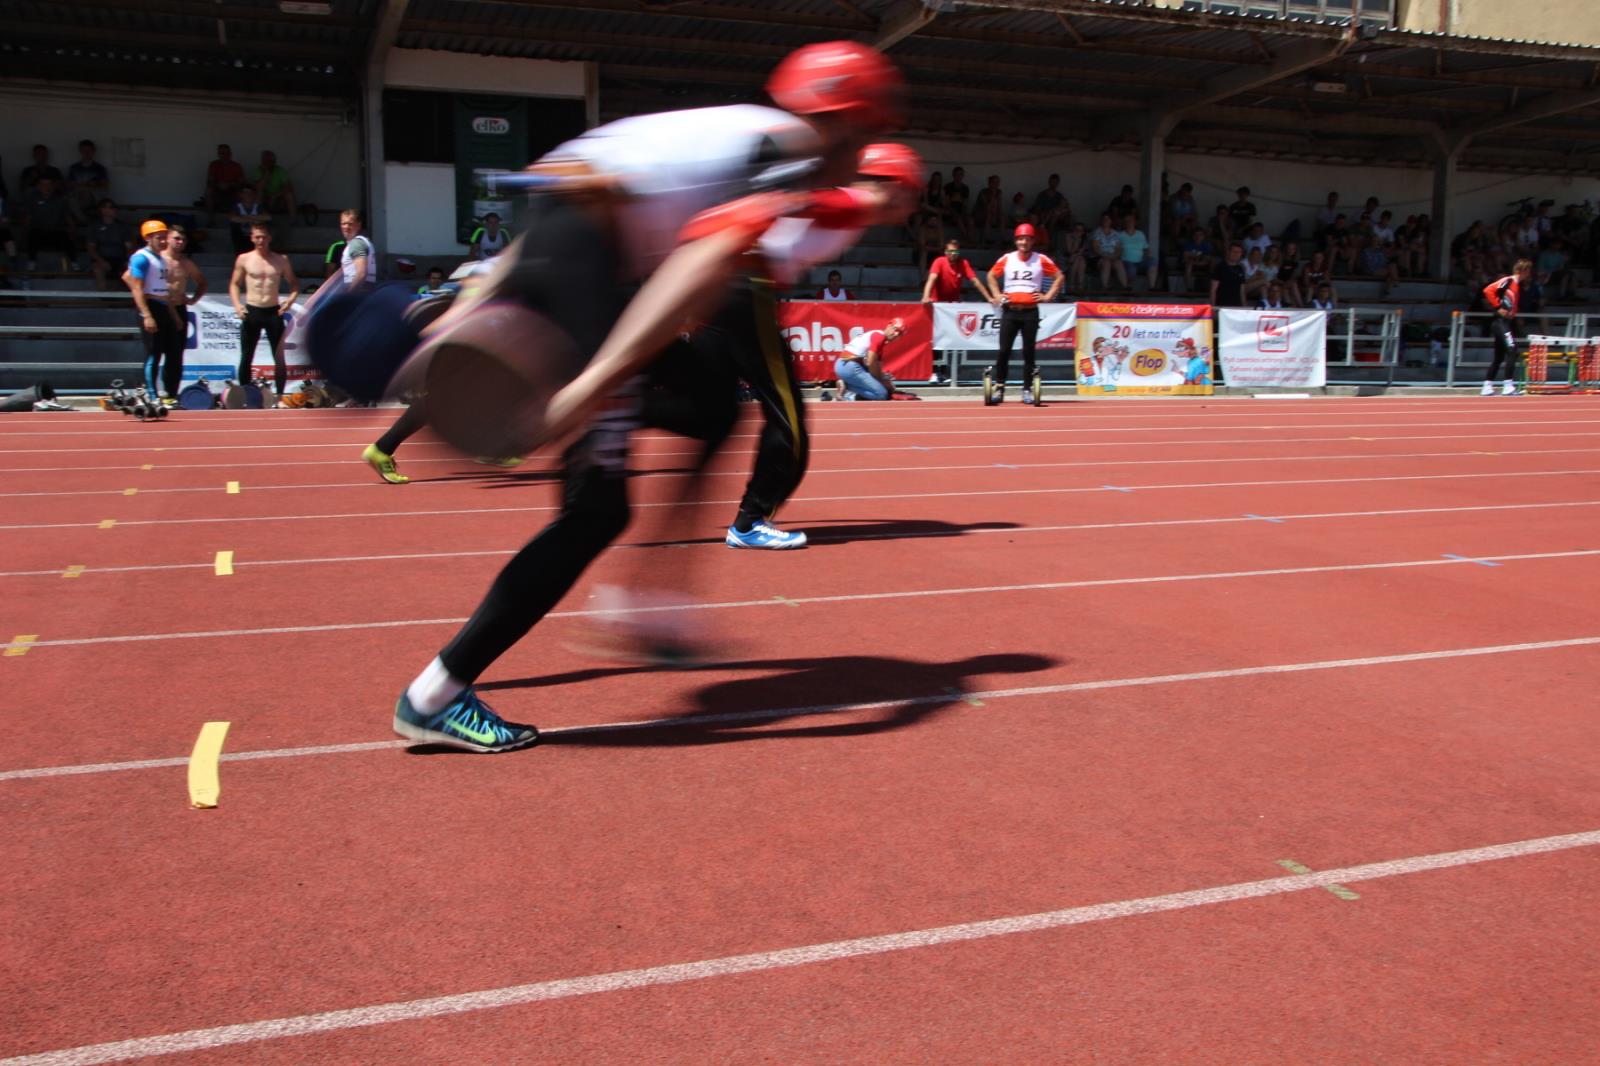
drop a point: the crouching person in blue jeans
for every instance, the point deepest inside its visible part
(860, 369)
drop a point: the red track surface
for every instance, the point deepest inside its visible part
(972, 573)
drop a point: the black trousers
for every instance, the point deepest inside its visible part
(1015, 321)
(1504, 333)
(258, 320)
(163, 349)
(743, 341)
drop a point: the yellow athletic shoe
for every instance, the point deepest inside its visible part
(505, 462)
(384, 465)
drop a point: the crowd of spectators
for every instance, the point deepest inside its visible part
(1230, 253)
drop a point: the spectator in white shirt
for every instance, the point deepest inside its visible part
(1107, 244)
(1384, 229)
(835, 289)
(1257, 239)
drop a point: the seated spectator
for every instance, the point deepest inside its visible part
(1136, 258)
(489, 239)
(1222, 227)
(1344, 243)
(1199, 255)
(1242, 213)
(246, 211)
(834, 289)
(87, 181)
(1325, 299)
(1051, 205)
(1411, 246)
(930, 213)
(1121, 205)
(224, 180)
(860, 367)
(1528, 236)
(1383, 229)
(1227, 282)
(1017, 213)
(49, 224)
(32, 175)
(1181, 206)
(1256, 239)
(1506, 250)
(1375, 263)
(1271, 298)
(435, 282)
(108, 242)
(1289, 274)
(273, 186)
(958, 202)
(1315, 273)
(1074, 260)
(1107, 245)
(1255, 274)
(1550, 268)
(1468, 255)
(1326, 214)
(1571, 227)
(988, 210)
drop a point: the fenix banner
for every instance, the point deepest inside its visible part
(1265, 348)
(211, 350)
(815, 332)
(975, 327)
(1144, 349)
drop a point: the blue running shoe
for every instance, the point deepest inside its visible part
(764, 535)
(466, 723)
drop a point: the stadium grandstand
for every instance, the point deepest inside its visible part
(1436, 116)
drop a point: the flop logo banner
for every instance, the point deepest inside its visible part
(1144, 349)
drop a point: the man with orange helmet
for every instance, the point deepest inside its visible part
(1018, 278)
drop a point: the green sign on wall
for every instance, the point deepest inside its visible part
(491, 137)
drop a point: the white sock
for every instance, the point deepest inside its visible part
(434, 688)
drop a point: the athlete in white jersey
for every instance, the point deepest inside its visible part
(627, 191)
(1019, 278)
(163, 324)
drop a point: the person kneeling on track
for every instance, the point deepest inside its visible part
(860, 368)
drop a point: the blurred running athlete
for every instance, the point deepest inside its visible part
(674, 200)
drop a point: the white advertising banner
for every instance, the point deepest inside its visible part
(975, 327)
(1267, 348)
(211, 350)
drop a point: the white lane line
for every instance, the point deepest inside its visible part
(821, 535)
(853, 597)
(878, 449)
(919, 431)
(785, 958)
(369, 483)
(872, 496)
(844, 708)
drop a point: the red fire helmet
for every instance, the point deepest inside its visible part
(894, 162)
(844, 77)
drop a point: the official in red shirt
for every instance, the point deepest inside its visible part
(224, 179)
(947, 274)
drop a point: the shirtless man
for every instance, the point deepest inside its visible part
(258, 276)
(186, 284)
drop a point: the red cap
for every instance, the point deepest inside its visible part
(897, 323)
(840, 76)
(894, 162)
(1024, 230)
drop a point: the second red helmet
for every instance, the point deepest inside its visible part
(845, 77)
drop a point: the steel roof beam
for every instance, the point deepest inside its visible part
(904, 19)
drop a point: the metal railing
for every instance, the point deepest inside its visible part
(1471, 347)
(1367, 12)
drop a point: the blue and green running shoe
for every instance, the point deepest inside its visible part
(466, 723)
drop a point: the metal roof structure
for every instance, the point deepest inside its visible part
(1073, 72)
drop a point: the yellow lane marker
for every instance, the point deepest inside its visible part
(129, 492)
(1338, 890)
(73, 571)
(19, 644)
(107, 523)
(224, 564)
(148, 466)
(204, 787)
(233, 488)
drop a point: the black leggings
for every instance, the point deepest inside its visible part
(163, 350)
(743, 341)
(1504, 332)
(257, 320)
(1015, 320)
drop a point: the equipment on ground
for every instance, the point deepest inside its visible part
(1581, 354)
(136, 402)
(197, 397)
(1036, 387)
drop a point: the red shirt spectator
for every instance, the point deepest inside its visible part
(224, 178)
(947, 274)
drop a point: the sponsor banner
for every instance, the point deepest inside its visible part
(491, 138)
(211, 350)
(975, 327)
(1144, 349)
(816, 331)
(1266, 348)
